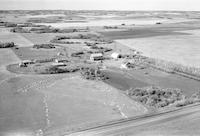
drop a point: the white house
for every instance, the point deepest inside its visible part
(115, 55)
(96, 57)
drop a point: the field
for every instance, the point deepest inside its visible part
(28, 53)
(181, 49)
(7, 57)
(50, 102)
(16, 38)
(69, 100)
(125, 80)
(39, 38)
(44, 103)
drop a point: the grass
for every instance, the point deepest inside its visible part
(70, 99)
(7, 57)
(39, 38)
(29, 53)
(16, 38)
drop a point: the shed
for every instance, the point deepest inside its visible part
(59, 64)
(96, 57)
(124, 65)
(61, 60)
(115, 55)
(22, 64)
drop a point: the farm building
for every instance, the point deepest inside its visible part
(27, 62)
(58, 64)
(115, 55)
(124, 65)
(96, 57)
(61, 60)
(24, 63)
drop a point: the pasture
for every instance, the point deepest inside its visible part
(96, 101)
(29, 53)
(7, 57)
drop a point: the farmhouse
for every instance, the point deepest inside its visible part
(96, 57)
(115, 55)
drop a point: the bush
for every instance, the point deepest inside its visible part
(44, 46)
(155, 96)
(77, 54)
(7, 45)
(93, 74)
(19, 30)
(44, 29)
(58, 70)
(97, 39)
(44, 60)
(10, 24)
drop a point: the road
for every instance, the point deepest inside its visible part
(118, 127)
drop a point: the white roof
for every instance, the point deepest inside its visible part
(96, 55)
(58, 64)
(115, 55)
(27, 61)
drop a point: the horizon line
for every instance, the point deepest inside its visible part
(94, 10)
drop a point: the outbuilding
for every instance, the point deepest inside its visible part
(21, 64)
(58, 64)
(96, 57)
(27, 62)
(24, 63)
(124, 66)
(61, 60)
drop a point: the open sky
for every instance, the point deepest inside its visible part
(101, 4)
